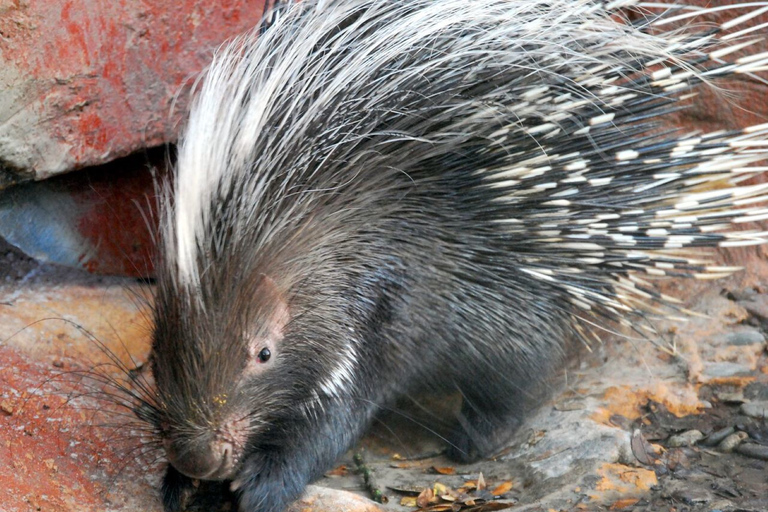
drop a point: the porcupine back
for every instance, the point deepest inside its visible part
(441, 181)
(522, 128)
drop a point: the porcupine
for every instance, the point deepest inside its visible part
(371, 189)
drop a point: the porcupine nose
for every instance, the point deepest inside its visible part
(205, 459)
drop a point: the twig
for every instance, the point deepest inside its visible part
(370, 484)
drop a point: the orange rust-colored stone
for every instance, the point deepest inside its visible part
(745, 355)
(739, 382)
(624, 503)
(64, 447)
(628, 402)
(55, 462)
(86, 322)
(625, 480)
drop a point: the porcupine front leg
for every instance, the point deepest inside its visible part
(176, 490)
(276, 472)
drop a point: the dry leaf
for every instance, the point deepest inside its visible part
(404, 465)
(339, 471)
(536, 436)
(446, 470)
(642, 449)
(678, 459)
(441, 498)
(502, 488)
(440, 489)
(441, 508)
(410, 491)
(624, 503)
(463, 497)
(422, 501)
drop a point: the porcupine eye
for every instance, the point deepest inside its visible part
(264, 355)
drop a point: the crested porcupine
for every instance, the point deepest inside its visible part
(371, 189)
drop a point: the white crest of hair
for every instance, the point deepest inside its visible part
(272, 105)
(249, 79)
(343, 374)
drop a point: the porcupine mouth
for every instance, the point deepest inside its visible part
(228, 467)
(227, 446)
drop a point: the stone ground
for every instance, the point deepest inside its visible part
(605, 441)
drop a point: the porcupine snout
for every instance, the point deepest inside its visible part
(210, 456)
(207, 459)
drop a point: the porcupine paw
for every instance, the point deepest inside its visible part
(476, 436)
(177, 490)
(181, 493)
(268, 482)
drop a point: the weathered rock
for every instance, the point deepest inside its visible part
(753, 450)
(745, 337)
(100, 219)
(688, 438)
(85, 81)
(755, 409)
(321, 499)
(732, 441)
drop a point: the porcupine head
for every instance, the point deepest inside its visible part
(363, 196)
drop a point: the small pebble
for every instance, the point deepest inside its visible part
(731, 398)
(755, 451)
(757, 410)
(715, 437)
(745, 337)
(756, 305)
(756, 391)
(692, 497)
(6, 407)
(732, 441)
(688, 438)
(570, 405)
(724, 369)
